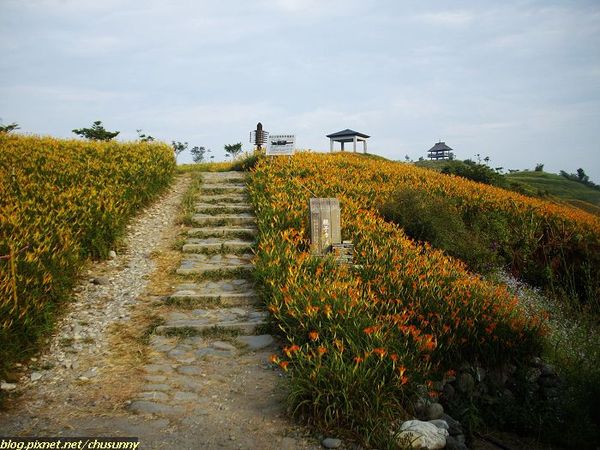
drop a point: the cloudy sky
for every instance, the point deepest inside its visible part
(517, 80)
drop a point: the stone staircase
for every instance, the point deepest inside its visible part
(219, 263)
(213, 311)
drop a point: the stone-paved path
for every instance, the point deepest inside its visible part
(206, 382)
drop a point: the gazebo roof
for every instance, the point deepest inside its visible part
(347, 133)
(440, 146)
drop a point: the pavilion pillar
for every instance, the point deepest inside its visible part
(342, 142)
(331, 145)
(365, 146)
(354, 144)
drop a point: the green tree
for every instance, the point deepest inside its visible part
(233, 149)
(539, 167)
(8, 128)
(179, 148)
(198, 154)
(96, 133)
(143, 137)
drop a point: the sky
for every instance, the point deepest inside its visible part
(517, 81)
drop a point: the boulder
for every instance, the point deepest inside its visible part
(434, 411)
(420, 434)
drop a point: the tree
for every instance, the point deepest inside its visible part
(8, 128)
(143, 137)
(233, 149)
(198, 154)
(179, 148)
(539, 167)
(582, 176)
(96, 133)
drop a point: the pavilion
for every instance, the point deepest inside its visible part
(348, 136)
(440, 151)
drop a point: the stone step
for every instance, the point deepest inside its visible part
(227, 208)
(224, 198)
(199, 264)
(198, 321)
(223, 219)
(196, 245)
(191, 298)
(234, 292)
(231, 232)
(223, 176)
(223, 188)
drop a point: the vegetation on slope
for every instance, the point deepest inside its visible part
(362, 340)
(62, 201)
(556, 187)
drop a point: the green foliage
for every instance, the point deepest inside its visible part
(8, 128)
(198, 154)
(96, 133)
(179, 148)
(474, 171)
(539, 167)
(580, 177)
(233, 149)
(434, 219)
(143, 137)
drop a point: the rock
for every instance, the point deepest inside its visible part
(331, 443)
(548, 381)
(536, 361)
(185, 396)
(101, 281)
(448, 392)
(256, 342)
(454, 426)
(223, 346)
(112, 254)
(148, 407)
(452, 443)
(422, 434)
(434, 411)
(189, 370)
(35, 376)
(465, 383)
(440, 423)
(548, 370)
(8, 386)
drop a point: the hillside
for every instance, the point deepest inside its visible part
(558, 187)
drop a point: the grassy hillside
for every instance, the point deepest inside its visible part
(559, 187)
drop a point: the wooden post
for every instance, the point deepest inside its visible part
(325, 227)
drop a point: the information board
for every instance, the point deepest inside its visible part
(281, 144)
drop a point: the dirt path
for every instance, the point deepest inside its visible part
(165, 342)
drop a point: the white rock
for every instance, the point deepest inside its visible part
(420, 434)
(112, 254)
(7, 386)
(35, 376)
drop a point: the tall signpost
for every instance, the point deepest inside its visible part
(259, 137)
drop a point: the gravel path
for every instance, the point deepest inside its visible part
(119, 363)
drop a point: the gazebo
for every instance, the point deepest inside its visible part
(439, 151)
(348, 136)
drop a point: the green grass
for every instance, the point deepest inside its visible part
(558, 188)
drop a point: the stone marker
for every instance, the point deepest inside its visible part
(325, 227)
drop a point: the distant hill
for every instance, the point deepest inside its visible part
(539, 184)
(557, 188)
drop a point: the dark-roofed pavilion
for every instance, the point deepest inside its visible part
(439, 151)
(348, 136)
